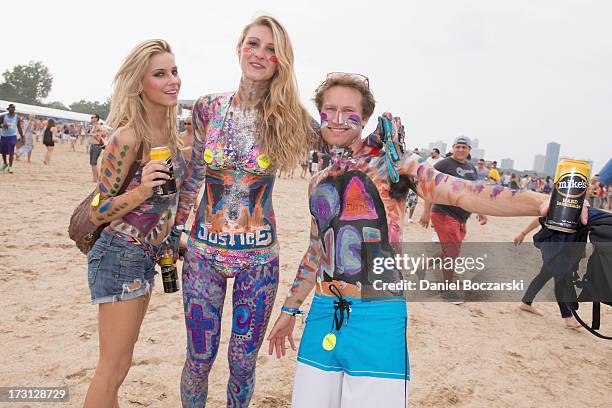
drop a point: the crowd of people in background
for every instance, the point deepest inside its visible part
(20, 133)
(73, 133)
(599, 195)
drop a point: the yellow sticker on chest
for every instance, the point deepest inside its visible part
(96, 200)
(208, 156)
(264, 161)
(329, 341)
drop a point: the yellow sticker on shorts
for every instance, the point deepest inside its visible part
(208, 156)
(329, 341)
(96, 200)
(264, 161)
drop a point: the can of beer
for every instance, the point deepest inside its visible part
(169, 274)
(164, 154)
(567, 198)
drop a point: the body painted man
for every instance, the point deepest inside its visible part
(361, 198)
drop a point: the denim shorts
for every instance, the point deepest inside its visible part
(94, 153)
(118, 270)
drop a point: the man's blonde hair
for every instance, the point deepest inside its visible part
(367, 99)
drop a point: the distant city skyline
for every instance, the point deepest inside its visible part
(538, 163)
(552, 158)
(506, 164)
(440, 145)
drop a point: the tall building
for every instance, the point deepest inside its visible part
(475, 144)
(477, 153)
(552, 158)
(538, 163)
(506, 164)
(440, 145)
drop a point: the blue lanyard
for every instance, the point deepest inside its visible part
(391, 150)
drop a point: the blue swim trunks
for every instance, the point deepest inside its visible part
(371, 343)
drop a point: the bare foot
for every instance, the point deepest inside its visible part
(572, 323)
(528, 308)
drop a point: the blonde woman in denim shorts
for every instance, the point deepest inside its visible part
(121, 263)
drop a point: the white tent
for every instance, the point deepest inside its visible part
(24, 109)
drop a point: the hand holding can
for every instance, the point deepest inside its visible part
(165, 155)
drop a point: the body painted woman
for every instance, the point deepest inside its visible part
(363, 363)
(241, 139)
(121, 265)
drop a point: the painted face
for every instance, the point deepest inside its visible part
(341, 116)
(161, 82)
(258, 59)
(460, 152)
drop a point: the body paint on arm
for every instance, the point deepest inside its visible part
(472, 196)
(116, 162)
(305, 278)
(196, 171)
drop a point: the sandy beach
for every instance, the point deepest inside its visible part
(469, 355)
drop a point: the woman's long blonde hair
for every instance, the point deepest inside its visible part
(286, 131)
(127, 104)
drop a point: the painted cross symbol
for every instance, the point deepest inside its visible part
(198, 326)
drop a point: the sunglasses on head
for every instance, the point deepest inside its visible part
(358, 77)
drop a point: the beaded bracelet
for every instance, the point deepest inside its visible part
(293, 311)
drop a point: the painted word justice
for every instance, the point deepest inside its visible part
(260, 238)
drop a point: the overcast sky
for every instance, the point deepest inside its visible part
(516, 74)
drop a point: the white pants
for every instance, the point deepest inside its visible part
(314, 388)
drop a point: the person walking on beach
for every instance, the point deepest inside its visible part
(48, 140)
(482, 171)
(449, 221)
(72, 137)
(493, 173)
(538, 283)
(304, 165)
(28, 137)
(187, 138)
(314, 162)
(10, 125)
(435, 156)
(97, 136)
(121, 264)
(241, 140)
(362, 361)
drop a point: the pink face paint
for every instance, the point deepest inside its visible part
(247, 50)
(354, 121)
(274, 59)
(324, 120)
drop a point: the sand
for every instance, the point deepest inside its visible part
(469, 355)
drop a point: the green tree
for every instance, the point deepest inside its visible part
(89, 107)
(56, 105)
(28, 83)
(7, 92)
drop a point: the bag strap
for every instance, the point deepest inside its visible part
(592, 330)
(596, 316)
(132, 171)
